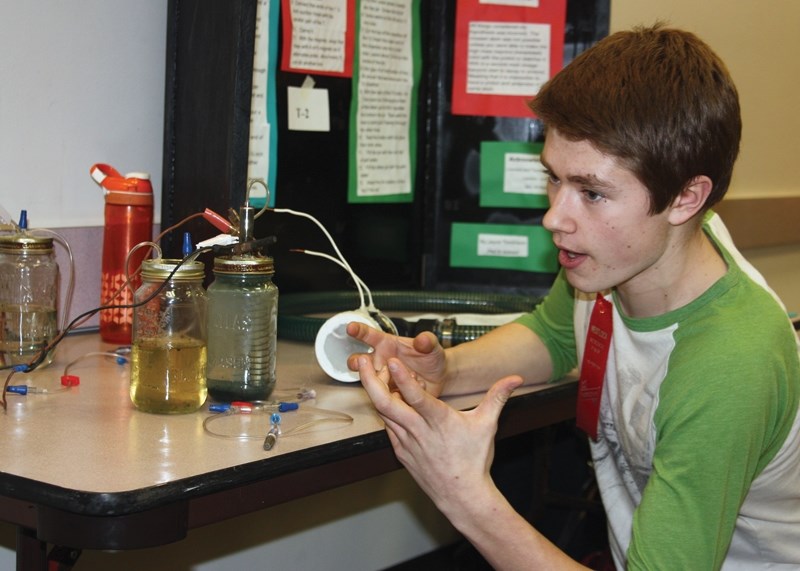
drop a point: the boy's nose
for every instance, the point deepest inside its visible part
(558, 217)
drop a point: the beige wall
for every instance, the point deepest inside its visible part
(760, 42)
(781, 266)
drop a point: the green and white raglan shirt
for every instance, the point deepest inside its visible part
(698, 453)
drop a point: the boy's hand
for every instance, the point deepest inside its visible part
(423, 355)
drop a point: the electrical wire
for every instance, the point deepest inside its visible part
(341, 260)
(335, 260)
(130, 277)
(67, 381)
(339, 255)
(41, 355)
(369, 308)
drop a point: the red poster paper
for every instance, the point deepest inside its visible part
(503, 54)
(318, 36)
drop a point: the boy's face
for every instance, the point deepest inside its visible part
(599, 217)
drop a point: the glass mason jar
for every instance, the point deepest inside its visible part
(28, 298)
(168, 356)
(242, 329)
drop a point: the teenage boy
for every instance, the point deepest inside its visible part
(696, 448)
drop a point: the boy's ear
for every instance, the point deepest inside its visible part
(691, 199)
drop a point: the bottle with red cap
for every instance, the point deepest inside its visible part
(128, 222)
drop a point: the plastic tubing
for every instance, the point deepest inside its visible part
(296, 323)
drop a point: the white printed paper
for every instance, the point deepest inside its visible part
(503, 245)
(507, 58)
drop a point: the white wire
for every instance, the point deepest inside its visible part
(336, 261)
(344, 263)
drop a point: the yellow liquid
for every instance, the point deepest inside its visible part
(168, 376)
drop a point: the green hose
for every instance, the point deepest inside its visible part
(295, 323)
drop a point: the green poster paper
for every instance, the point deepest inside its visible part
(383, 109)
(527, 248)
(512, 176)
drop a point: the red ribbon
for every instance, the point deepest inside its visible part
(593, 367)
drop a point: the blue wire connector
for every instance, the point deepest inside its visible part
(18, 389)
(188, 248)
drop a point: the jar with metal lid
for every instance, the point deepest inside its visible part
(168, 356)
(242, 329)
(28, 297)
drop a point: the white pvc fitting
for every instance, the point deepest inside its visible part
(333, 345)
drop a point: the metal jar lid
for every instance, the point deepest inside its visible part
(26, 244)
(161, 268)
(251, 265)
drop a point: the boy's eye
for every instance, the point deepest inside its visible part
(592, 196)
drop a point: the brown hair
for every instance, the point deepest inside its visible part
(657, 99)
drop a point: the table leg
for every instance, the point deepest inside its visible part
(31, 552)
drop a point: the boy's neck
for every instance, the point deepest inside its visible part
(694, 267)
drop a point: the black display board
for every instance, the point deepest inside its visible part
(391, 246)
(207, 112)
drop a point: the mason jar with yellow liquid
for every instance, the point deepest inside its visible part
(168, 356)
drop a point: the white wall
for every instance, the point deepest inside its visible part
(82, 83)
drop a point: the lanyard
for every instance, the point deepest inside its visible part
(593, 367)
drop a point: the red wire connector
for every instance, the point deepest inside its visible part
(217, 221)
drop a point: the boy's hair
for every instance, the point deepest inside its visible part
(657, 99)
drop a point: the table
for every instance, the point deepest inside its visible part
(83, 469)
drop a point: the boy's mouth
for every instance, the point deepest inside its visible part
(569, 259)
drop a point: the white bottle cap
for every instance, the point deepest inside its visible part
(333, 345)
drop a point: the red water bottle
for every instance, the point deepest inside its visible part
(128, 222)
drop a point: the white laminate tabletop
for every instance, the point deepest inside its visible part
(89, 444)
(91, 438)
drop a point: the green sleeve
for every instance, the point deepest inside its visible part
(724, 411)
(552, 321)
